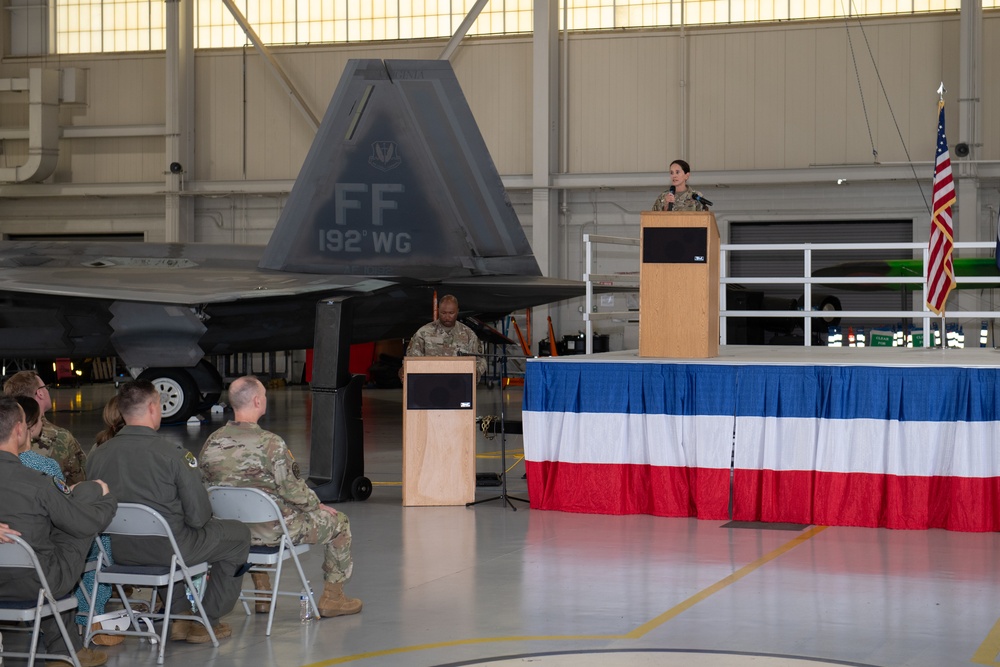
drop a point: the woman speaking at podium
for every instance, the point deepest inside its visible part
(680, 197)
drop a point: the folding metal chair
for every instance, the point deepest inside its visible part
(254, 506)
(134, 520)
(19, 554)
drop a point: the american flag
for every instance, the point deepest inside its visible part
(940, 271)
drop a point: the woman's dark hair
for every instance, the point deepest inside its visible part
(685, 167)
(32, 413)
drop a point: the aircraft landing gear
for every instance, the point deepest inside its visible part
(178, 392)
(185, 391)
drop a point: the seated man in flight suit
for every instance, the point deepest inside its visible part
(59, 522)
(141, 466)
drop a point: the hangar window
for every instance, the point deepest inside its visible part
(39, 27)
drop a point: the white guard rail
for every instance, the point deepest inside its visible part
(806, 281)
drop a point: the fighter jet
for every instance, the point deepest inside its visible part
(398, 197)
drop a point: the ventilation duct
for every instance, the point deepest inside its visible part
(43, 126)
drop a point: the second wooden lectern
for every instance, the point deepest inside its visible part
(679, 285)
(439, 430)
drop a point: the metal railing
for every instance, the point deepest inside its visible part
(805, 281)
(605, 279)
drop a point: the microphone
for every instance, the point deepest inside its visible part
(701, 199)
(670, 206)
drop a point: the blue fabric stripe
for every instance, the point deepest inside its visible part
(826, 392)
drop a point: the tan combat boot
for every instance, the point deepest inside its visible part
(334, 603)
(88, 657)
(199, 633)
(179, 630)
(261, 582)
(106, 640)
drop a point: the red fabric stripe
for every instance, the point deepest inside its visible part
(628, 489)
(820, 498)
(862, 499)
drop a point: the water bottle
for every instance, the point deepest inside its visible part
(199, 583)
(305, 607)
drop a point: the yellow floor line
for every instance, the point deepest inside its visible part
(987, 652)
(634, 634)
(722, 583)
(496, 455)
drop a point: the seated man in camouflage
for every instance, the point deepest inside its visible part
(55, 442)
(447, 337)
(243, 454)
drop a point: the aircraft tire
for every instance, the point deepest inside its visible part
(361, 488)
(178, 392)
(208, 401)
(830, 303)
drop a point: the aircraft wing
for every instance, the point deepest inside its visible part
(170, 304)
(188, 275)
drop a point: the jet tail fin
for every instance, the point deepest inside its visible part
(399, 182)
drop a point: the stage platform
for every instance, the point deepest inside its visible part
(901, 438)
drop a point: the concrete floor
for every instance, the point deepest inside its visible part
(491, 586)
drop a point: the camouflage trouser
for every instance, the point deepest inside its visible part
(334, 533)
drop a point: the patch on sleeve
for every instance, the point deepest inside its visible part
(61, 485)
(191, 460)
(295, 464)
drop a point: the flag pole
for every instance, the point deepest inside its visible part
(996, 258)
(943, 328)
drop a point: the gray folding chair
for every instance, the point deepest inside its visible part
(135, 520)
(19, 554)
(254, 506)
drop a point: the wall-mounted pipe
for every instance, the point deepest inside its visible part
(43, 126)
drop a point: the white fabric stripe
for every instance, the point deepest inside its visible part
(960, 449)
(619, 438)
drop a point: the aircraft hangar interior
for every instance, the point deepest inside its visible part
(195, 190)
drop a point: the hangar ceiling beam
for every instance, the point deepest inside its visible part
(462, 30)
(274, 66)
(969, 128)
(545, 140)
(179, 148)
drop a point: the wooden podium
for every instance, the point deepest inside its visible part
(439, 430)
(679, 285)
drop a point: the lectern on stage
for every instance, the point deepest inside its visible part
(439, 430)
(679, 285)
